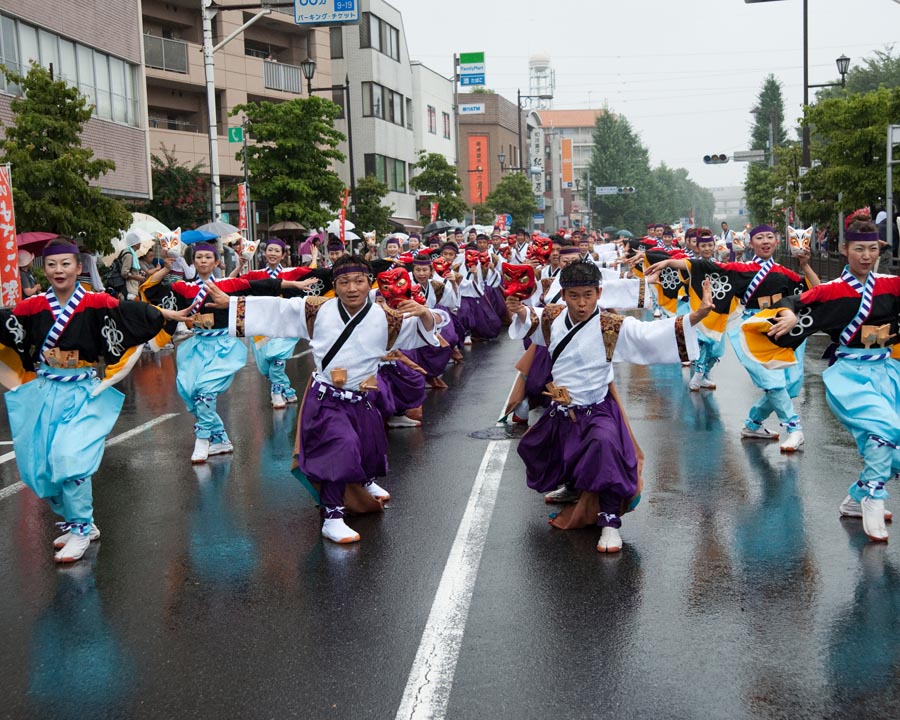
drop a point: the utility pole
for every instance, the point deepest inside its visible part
(251, 216)
(207, 13)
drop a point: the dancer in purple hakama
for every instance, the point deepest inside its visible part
(584, 441)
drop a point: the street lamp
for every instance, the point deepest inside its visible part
(308, 70)
(501, 156)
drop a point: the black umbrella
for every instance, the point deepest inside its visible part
(436, 227)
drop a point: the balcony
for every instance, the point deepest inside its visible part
(165, 54)
(283, 77)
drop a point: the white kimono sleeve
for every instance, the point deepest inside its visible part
(519, 329)
(414, 335)
(450, 298)
(621, 294)
(656, 342)
(267, 316)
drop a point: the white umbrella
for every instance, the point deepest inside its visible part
(402, 237)
(350, 235)
(334, 226)
(150, 227)
(219, 228)
(142, 217)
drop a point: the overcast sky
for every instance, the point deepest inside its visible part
(685, 74)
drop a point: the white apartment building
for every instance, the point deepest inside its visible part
(390, 103)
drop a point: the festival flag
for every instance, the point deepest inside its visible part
(10, 287)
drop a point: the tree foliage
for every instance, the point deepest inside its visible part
(512, 195)
(848, 139)
(759, 185)
(51, 171)
(180, 192)
(437, 181)
(369, 211)
(663, 194)
(482, 214)
(292, 156)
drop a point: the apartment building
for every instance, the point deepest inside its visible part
(96, 46)
(262, 63)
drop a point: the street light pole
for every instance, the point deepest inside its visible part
(806, 161)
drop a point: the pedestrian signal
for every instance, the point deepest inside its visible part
(715, 159)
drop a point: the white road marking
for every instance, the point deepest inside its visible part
(431, 679)
(127, 435)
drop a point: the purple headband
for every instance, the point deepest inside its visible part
(60, 250)
(335, 245)
(569, 250)
(565, 284)
(277, 241)
(206, 247)
(422, 260)
(449, 246)
(861, 237)
(705, 238)
(760, 229)
(346, 269)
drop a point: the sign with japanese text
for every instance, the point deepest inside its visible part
(434, 211)
(471, 109)
(242, 208)
(471, 68)
(343, 215)
(10, 288)
(478, 160)
(325, 12)
(568, 170)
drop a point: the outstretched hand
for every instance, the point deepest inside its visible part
(706, 303)
(783, 324)
(216, 298)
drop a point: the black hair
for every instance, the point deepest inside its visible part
(351, 260)
(580, 274)
(863, 225)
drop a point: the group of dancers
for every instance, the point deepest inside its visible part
(383, 330)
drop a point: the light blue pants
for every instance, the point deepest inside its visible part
(75, 504)
(711, 352)
(271, 360)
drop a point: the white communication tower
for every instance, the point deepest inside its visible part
(541, 81)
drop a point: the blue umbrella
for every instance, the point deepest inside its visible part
(189, 237)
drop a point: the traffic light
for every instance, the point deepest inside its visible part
(625, 190)
(715, 159)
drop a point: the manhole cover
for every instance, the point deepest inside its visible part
(499, 432)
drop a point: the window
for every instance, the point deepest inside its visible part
(409, 114)
(432, 120)
(381, 102)
(337, 42)
(337, 97)
(446, 117)
(108, 83)
(378, 35)
(390, 171)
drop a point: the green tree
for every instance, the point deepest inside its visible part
(620, 159)
(437, 181)
(369, 211)
(759, 185)
(51, 171)
(482, 214)
(180, 192)
(513, 195)
(291, 159)
(848, 140)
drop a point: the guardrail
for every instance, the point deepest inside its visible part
(280, 76)
(166, 54)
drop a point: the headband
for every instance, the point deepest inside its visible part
(706, 238)
(861, 237)
(346, 269)
(276, 241)
(66, 249)
(335, 246)
(761, 229)
(422, 259)
(566, 284)
(449, 246)
(206, 247)
(569, 250)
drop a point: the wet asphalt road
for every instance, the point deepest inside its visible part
(740, 594)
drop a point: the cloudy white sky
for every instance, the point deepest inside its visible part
(685, 73)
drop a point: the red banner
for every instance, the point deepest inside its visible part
(478, 162)
(10, 287)
(242, 208)
(500, 222)
(434, 211)
(343, 215)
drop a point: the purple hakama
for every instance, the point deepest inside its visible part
(595, 453)
(400, 389)
(478, 318)
(497, 299)
(540, 373)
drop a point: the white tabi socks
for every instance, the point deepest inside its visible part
(610, 540)
(336, 530)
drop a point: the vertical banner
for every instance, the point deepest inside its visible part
(478, 155)
(10, 288)
(343, 216)
(434, 211)
(242, 209)
(500, 222)
(568, 172)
